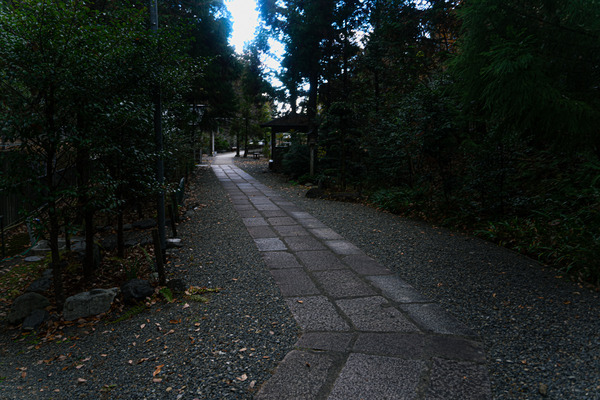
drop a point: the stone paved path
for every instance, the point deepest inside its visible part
(366, 334)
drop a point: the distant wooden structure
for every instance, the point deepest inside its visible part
(287, 123)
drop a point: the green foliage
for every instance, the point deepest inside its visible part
(167, 294)
(130, 313)
(197, 298)
(398, 200)
(296, 162)
(221, 144)
(530, 66)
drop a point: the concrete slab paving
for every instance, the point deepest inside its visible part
(275, 221)
(365, 265)
(261, 232)
(317, 314)
(433, 318)
(377, 377)
(366, 333)
(301, 375)
(326, 234)
(342, 247)
(325, 341)
(375, 314)
(319, 260)
(303, 243)
(342, 283)
(257, 221)
(291, 230)
(269, 244)
(401, 345)
(273, 213)
(396, 289)
(280, 259)
(294, 282)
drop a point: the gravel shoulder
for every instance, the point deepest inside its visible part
(223, 349)
(541, 332)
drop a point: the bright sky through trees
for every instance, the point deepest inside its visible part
(245, 19)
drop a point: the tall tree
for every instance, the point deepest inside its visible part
(532, 67)
(64, 76)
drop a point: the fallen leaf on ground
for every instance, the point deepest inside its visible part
(157, 370)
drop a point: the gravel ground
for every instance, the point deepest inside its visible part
(224, 349)
(542, 333)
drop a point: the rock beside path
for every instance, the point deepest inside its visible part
(136, 290)
(24, 305)
(35, 320)
(86, 304)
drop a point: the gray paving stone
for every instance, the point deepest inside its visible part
(377, 377)
(316, 313)
(302, 243)
(277, 221)
(294, 282)
(375, 314)
(342, 247)
(365, 265)
(273, 213)
(258, 221)
(402, 345)
(287, 205)
(251, 192)
(300, 375)
(249, 213)
(301, 214)
(342, 283)
(291, 230)
(320, 260)
(269, 244)
(432, 317)
(244, 207)
(326, 234)
(455, 348)
(259, 232)
(325, 341)
(458, 380)
(240, 200)
(396, 289)
(280, 259)
(260, 200)
(311, 223)
(266, 207)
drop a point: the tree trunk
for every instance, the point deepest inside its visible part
(83, 171)
(246, 139)
(312, 115)
(54, 227)
(120, 241)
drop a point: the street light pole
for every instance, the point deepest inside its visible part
(160, 167)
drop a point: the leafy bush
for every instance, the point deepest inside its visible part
(398, 200)
(296, 162)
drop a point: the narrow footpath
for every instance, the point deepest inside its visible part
(366, 334)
